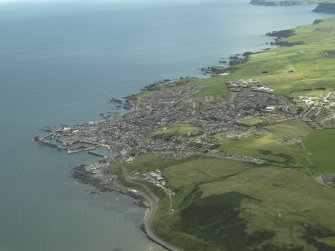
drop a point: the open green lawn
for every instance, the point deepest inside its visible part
(252, 121)
(179, 129)
(321, 145)
(211, 86)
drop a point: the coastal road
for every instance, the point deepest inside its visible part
(153, 201)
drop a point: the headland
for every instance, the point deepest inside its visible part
(325, 7)
(292, 2)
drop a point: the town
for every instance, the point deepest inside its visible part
(173, 122)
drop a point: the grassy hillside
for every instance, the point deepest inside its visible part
(230, 205)
(174, 130)
(321, 147)
(291, 70)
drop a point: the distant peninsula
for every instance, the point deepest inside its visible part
(287, 2)
(325, 8)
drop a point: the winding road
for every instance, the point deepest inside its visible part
(153, 201)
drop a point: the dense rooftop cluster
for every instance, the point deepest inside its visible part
(142, 130)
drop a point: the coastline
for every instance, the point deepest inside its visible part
(321, 6)
(123, 183)
(147, 195)
(153, 201)
(144, 197)
(282, 3)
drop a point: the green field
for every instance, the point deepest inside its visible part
(252, 121)
(321, 145)
(179, 129)
(279, 144)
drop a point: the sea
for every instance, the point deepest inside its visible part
(60, 62)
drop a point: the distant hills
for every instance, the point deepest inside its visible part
(288, 2)
(282, 2)
(326, 6)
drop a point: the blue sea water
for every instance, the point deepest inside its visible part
(59, 64)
